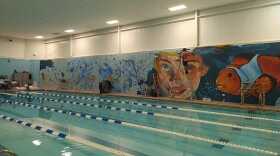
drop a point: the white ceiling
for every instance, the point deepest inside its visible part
(28, 18)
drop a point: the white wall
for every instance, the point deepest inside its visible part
(249, 22)
(21, 48)
(35, 49)
(12, 48)
(59, 49)
(95, 45)
(167, 36)
(253, 25)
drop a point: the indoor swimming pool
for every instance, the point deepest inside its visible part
(69, 124)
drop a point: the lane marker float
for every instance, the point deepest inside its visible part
(64, 136)
(157, 106)
(159, 115)
(36, 127)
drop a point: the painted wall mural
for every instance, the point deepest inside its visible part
(127, 72)
(178, 74)
(218, 73)
(8, 66)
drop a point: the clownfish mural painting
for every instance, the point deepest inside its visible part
(253, 69)
(261, 74)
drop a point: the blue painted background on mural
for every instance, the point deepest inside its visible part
(129, 72)
(203, 73)
(220, 57)
(9, 65)
(125, 71)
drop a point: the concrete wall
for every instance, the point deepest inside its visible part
(249, 22)
(58, 50)
(21, 48)
(167, 36)
(256, 24)
(35, 49)
(12, 48)
(95, 45)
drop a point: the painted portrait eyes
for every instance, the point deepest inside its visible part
(190, 66)
(165, 67)
(193, 64)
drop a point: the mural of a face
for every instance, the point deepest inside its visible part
(194, 68)
(176, 78)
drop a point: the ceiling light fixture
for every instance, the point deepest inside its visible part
(69, 30)
(112, 22)
(39, 37)
(177, 8)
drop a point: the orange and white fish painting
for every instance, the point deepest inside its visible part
(260, 73)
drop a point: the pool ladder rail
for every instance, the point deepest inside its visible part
(245, 88)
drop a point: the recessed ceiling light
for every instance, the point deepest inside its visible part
(69, 30)
(177, 8)
(112, 22)
(39, 37)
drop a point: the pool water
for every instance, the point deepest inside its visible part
(135, 127)
(19, 140)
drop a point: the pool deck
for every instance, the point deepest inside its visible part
(183, 101)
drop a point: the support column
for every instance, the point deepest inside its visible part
(197, 40)
(119, 40)
(71, 46)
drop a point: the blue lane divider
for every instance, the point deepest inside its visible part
(36, 127)
(66, 112)
(109, 101)
(90, 105)
(158, 106)
(188, 110)
(114, 101)
(72, 96)
(175, 117)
